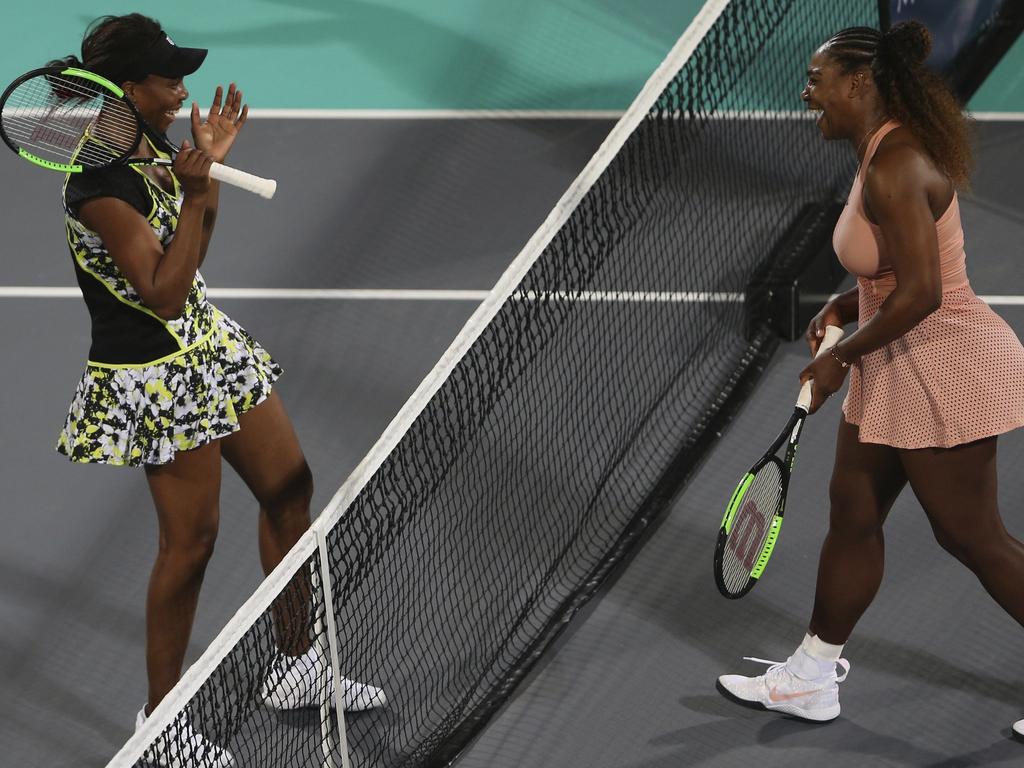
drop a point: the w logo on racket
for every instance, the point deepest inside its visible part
(748, 533)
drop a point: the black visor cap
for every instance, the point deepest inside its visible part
(166, 59)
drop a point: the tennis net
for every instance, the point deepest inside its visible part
(557, 424)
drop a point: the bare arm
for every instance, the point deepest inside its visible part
(847, 304)
(209, 218)
(896, 190)
(162, 278)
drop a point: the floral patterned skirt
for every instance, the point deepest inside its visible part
(136, 415)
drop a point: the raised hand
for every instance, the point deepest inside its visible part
(217, 133)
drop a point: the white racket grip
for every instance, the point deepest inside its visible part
(833, 334)
(247, 181)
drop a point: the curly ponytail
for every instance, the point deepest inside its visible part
(913, 95)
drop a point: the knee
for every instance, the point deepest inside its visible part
(854, 513)
(192, 548)
(972, 548)
(291, 495)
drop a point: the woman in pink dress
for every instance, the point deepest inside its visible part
(935, 374)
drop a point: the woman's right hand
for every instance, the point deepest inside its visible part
(192, 167)
(830, 314)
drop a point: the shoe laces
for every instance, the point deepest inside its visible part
(775, 667)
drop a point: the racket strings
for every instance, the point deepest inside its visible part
(69, 120)
(751, 526)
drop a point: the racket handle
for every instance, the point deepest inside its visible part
(242, 180)
(833, 334)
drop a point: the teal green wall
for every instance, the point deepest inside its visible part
(1004, 89)
(414, 54)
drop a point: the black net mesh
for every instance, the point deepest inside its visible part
(528, 473)
(246, 712)
(513, 490)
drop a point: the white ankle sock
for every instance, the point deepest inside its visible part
(818, 649)
(307, 658)
(814, 659)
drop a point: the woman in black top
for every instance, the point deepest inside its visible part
(173, 384)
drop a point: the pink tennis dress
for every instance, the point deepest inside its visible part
(958, 375)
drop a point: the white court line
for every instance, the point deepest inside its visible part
(505, 114)
(433, 114)
(535, 114)
(302, 294)
(995, 300)
(996, 116)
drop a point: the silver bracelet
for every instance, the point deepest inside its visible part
(835, 353)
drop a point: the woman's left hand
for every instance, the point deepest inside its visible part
(828, 375)
(217, 133)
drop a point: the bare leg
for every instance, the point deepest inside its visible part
(186, 494)
(958, 489)
(266, 454)
(866, 480)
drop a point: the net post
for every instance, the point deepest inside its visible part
(318, 635)
(323, 576)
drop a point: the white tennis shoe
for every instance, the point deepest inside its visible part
(1018, 728)
(298, 688)
(782, 689)
(185, 748)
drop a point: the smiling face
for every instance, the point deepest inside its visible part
(830, 93)
(158, 99)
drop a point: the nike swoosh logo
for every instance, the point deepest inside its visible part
(775, 697)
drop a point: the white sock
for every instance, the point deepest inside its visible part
(818, 649)
(306, 658)
(814, 659)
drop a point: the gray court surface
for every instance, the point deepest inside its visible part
(395, 204)
(935, 677)
(447, 204)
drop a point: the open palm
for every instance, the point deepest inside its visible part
(217, 133)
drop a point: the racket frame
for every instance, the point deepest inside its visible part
(790, 434)
(84, 74)
(263, 187)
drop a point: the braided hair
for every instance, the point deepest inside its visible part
(912, 94)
